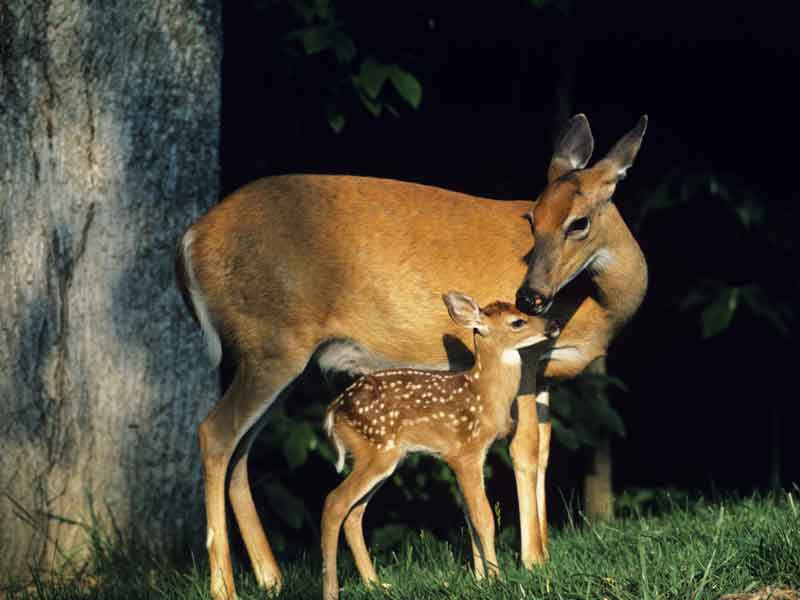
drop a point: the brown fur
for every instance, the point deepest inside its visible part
(382, 417)
(288, 262)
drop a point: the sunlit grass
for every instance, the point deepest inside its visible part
(690, 551)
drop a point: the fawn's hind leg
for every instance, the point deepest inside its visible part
(366, 475)
(354, 533)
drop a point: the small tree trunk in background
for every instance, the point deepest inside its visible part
(597, 491)
(109, 126)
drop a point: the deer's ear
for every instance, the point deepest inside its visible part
(465, 311)
(620, 158)
(573, 148)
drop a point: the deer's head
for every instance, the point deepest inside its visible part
(571, 223)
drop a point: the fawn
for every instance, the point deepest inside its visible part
(385, 415)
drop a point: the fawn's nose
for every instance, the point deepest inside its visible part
(553, 329)
(533, 302)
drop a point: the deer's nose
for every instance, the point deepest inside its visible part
(553, 329)
(532, 302)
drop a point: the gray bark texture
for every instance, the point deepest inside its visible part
(109, 125)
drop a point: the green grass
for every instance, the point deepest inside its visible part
(691, 551)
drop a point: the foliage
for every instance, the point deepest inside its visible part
(583, 414)
(689, 550)
(322, 36)
(750, 225)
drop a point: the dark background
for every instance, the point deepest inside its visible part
(719, 83)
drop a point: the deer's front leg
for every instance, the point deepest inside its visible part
(545, 429)
(525, 455)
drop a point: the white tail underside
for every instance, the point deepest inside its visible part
(213, 345)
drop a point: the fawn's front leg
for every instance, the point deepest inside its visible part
(469, 473)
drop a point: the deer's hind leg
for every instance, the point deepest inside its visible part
(225, 436)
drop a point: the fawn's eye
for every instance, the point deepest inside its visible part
(578, 226)
(517, 323)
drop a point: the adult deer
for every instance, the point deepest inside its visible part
(351, 269)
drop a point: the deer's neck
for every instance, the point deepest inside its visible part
(619, 271)
(496, 377)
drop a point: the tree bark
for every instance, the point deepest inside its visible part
(598, 493)
(109, 126)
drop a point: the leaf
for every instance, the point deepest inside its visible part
(371, 77)
(302, 9)
(717, 316)
(565, 437)
(343, 47)
(373, 106)
(286, 505)
(564, 401)
(501, 451)
(390, 536)
(327, 453)
(337, 120)
(316, 39)
(308, 9)
(408, 86)
(775, 313)
(297, 443)
(609, 418)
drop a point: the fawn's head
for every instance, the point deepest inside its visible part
(571, 223)
(501, 325)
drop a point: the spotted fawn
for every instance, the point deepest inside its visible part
(384, 416)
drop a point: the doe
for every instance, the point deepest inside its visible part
(384, 416)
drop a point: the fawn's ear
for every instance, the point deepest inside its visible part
(465, 312)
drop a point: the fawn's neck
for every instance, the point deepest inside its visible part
(495, 375)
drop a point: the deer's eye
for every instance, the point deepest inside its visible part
(578, 226)
(517, 323)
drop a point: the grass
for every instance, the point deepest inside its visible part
(691, 551)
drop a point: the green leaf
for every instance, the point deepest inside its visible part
(343, 47)
(302, 9)
(717, 316)
(327, 453)
(373, 106)
(501, 450)
(337, 120)
(297, 443)
(566, 437)
(287, 506)
(371, 77)
(316, 39)
(609, 418)
(406, 85)
(774, 312)
(390, 536)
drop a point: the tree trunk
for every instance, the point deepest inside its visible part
(109, 121)
(597, 491)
